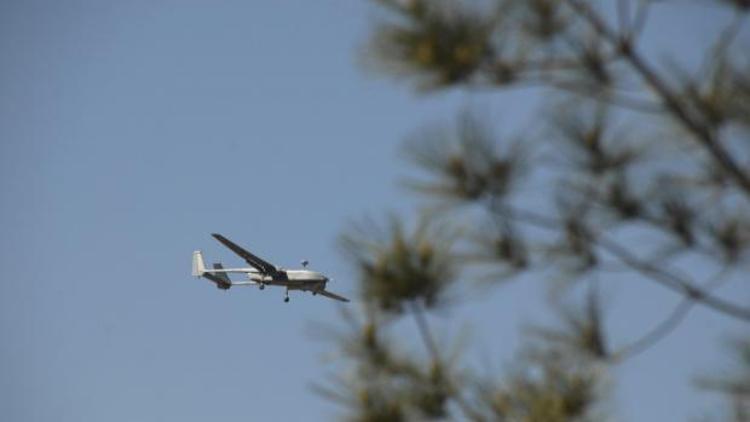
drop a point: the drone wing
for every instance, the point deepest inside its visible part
(263, 266)
(334, 296)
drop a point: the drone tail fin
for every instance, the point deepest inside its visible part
(199, 267)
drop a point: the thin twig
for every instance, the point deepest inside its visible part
(639, 22)
(675, 282)
(663, 277)
(623, 15)
(431, 346)
(618, 99)
(635, 104)
(667, 326)
(728, 35)
(424, 331)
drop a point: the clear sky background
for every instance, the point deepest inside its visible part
(131, 130)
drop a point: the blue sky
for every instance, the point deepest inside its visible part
(129, 131)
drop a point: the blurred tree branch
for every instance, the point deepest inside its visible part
(703, 130)
(678, 177)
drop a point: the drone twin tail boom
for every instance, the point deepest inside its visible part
(262, 273)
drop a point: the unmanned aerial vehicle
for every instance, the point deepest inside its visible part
(261, 273)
